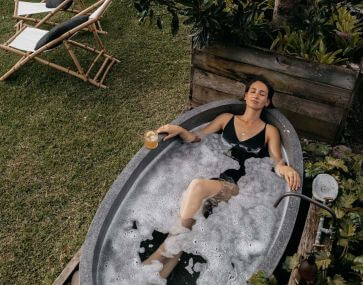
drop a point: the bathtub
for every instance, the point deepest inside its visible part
(94, 245)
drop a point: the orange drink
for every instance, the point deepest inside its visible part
(151, 139)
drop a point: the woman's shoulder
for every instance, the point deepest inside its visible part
(224, 118)
(225, 115)
(271, 131)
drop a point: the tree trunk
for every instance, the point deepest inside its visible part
(283, 11)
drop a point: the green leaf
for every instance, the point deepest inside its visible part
(360, 188)
(349, 258)
(324, 213)
(343, 242)
(318, 148)
(274, 43)
(358, 264)
(347, 184)
(313, 169)
(338, 212)
(355, 218)
(346, 200)
(359, 235)
(336, 280)
(323, 259)
(358, 163)
(143, 16)
(336, 163)
(272, 280)
(258, 278)
(347, 228)
(291, 262)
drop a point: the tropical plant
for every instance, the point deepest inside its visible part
(300, 43)
(260, 278)
(344, 265)
(321, 32)
(327, 31)
(210, 21)
(348, 29)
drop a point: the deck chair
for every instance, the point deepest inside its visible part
(24, 12)
(30, 43)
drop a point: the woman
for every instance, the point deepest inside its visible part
(250, 137)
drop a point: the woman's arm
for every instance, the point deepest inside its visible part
(214, 126)
(274, 147)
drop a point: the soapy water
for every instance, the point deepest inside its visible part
(233, 240)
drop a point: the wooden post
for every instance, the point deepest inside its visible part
(101, 68)
(92, 49)
(93, 63)
(51, 14)
(75, 60)
(69, 269)
(16, 2)
(106, 71)
(307, 239)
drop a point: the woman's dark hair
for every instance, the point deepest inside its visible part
(271, 91)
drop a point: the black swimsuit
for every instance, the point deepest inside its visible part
(242, 150)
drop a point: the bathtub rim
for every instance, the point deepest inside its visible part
(114, 196)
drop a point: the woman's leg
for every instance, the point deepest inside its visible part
(197, 191)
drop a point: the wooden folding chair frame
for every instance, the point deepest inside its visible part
(108, 62)
(21, 19)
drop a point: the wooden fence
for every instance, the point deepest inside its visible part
(315, 97)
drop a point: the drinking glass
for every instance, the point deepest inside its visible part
(151, 139)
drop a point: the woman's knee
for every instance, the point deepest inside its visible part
(195, 183)
(198, 188)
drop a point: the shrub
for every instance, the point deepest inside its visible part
(319, 30)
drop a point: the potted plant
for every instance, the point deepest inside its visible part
(309, 49)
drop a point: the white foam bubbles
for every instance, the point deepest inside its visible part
(233, 240)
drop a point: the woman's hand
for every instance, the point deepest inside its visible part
(291, 176)
(171, 130)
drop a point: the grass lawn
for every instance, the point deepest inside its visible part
(63, 142)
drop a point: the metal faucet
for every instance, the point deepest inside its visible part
(309, 200)
(301, 196)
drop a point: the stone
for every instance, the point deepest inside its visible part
(340, 151)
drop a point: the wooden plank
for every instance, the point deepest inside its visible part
(205, 95)
(310, 127)
(309, 109)
(191, 76)
(328, 74)
(225, 86)
(285, 83)
(306, 127)
(308, 238)
(357, 93)
(68, 270)
(219, 83)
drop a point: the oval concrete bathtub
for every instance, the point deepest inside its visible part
(95, 243)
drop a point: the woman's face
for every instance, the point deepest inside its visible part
(257, 96)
